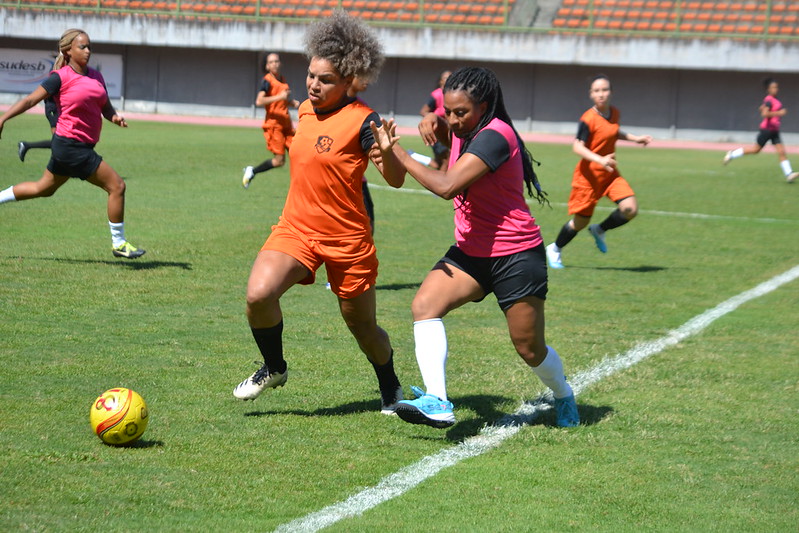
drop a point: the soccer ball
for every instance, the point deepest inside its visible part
(119, 416)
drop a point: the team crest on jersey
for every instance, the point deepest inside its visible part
(323, 144)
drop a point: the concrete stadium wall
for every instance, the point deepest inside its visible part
(703, 90)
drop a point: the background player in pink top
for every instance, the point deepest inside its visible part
(498, 244)
(82, 102)
(772, 111)
(435, 104)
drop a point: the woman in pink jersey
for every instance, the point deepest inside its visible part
(435, 104)
(82, 101)
(772, 112)
(498, 244)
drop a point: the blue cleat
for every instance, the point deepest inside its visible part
(599, 237)
(426, 409)
(566, 415)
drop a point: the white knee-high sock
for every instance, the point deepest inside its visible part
(431, 355)
(550, 371)
(117, 233)
(735, 154)
(786, 167)
(7, 195)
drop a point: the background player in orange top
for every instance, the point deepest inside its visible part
(324, 221)
(275, 97)
(596, 174)
(772, 112)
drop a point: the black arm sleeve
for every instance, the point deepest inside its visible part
(583, 133)
(491, 147)
(367, 139)
(265, 86)
(52, 84)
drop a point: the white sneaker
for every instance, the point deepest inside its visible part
(727, 158)
(553, 257)
(247, 178)
(790, 178)
(253, 386)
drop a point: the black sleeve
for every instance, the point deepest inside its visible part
(367, 139)
(491, 147)
(265, 86)
(51, 111)
(583, 133)
(767, 103)
(52, 84)
(431, 103)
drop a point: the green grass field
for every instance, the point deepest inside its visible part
(700, 437)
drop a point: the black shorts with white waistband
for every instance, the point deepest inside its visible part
(510, 277)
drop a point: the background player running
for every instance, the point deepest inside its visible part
(275, 97)
(596, 174)
(51, 114)
(772, 112)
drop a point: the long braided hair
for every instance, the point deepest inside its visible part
(64, 44)
(481, 85)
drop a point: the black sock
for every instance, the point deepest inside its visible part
(614, 220)
(386, 377)
(270, 342)
(565, 236)
(38, 144)
(263, 167)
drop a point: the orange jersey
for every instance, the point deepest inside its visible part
(325, 198)
(276, 111)
(599, 135)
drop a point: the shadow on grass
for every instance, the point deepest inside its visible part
(132, 264)
(397, 286)
(143, 444)
(643, 269)
(484, 406)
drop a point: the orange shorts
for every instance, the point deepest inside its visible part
(278, 135)
(584, 197)
(351, 263)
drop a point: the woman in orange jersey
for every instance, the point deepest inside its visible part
(596, 174)
(274, 96)
(324, 221)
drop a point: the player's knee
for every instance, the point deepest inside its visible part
(422, 308)
(629, 211)
(278, 162)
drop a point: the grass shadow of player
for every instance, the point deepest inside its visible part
(397, 286)
(144, 444)
(643, 269)
(345, 409)
(132, 264)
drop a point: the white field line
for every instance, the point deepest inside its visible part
(606, 208)
(492, 436)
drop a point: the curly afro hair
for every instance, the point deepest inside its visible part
(351, 47)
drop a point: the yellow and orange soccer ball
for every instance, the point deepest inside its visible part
(119, 416)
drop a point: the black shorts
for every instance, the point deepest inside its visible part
(768, 135)
(72, 158)
(510, 278)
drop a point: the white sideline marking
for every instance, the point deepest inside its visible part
(492, 436)
(605, 208)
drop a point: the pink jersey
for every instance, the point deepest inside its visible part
(438, 97)
(771, 123)
(493, 219)
(80, 104)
